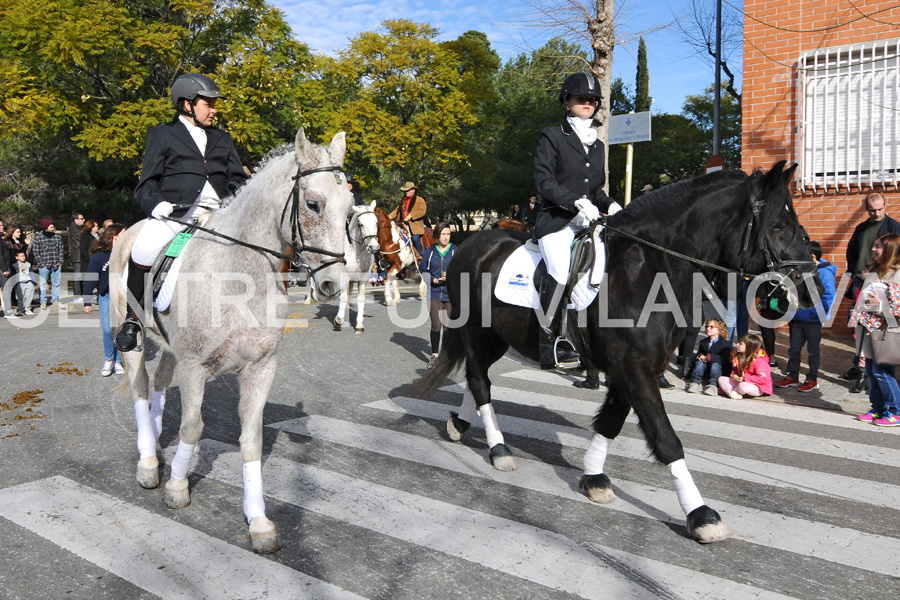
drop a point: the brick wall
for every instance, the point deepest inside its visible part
(770, 104)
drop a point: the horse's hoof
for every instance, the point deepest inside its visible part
(177, 494)
(502, 458)
(456, 427)
(263, 536)
(705, 525)
(337, 323)
(598, 488)
(360, 329)
(148, 472)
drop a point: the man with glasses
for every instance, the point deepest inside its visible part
(859, 255)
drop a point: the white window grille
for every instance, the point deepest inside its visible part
(849, 126)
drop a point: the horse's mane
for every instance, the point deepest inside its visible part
(669, 201)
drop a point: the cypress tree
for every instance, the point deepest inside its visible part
(642, 83)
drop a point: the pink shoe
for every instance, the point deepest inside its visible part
(869, 416)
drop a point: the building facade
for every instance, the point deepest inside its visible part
(821, 87)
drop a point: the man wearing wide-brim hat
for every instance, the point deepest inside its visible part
(411, 211)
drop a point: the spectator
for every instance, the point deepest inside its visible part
(646, 189)
(75, 251)
(24, 283)
(750, 371)
(517, 213)
(529, 212)
(189, 167)
(859, 256)
(353, 186)
(410, 213)
(15, 241)
(99, 265)
(713, 358)
(48, 256)
(106, 224)
(569, 174)
(89, 235)
(5, 273)
(434, 270)
(877, 308)
(806, 328)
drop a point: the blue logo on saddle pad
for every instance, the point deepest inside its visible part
(520, 280)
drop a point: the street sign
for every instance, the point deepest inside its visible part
(630, 128)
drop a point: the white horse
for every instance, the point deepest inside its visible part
(229, 307)
(398, 251)
(361, 244)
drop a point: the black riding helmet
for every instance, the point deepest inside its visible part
(581, 84)
(191, 86)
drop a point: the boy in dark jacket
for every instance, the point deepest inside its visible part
(713, 358)
(806, 328)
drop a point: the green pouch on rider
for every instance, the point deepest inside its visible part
(177, 245)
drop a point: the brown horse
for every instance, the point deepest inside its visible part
(512, 225)
(399, 252)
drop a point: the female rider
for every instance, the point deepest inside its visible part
(569, 175)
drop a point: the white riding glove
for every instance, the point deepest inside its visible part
(613, 208)
(587, 210)
(163, 209)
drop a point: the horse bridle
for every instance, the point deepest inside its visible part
(296, 228)
(298, 245)
(365, 238)
(772, 264)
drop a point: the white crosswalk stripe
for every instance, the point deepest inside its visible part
(311, 476)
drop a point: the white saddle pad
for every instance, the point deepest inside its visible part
(515, 284)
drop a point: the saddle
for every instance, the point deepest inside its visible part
(521, 274)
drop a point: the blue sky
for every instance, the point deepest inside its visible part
(327, 25)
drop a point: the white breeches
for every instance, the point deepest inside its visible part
(556, 250)
(156, 234)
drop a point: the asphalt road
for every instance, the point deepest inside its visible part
(372, 500)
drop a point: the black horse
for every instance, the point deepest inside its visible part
(743, 223)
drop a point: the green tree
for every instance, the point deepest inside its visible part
(84, 80)
(403, 103)
(642, 80)
(699, 109)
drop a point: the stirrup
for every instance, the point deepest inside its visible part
(138, 336)
(568, 359)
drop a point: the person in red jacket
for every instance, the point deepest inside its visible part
(751, 374)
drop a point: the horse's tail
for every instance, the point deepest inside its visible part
(449, 360)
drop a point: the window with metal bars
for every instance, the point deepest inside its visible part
(849, 126)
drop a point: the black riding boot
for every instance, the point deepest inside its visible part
(127, 336)
(547, 335)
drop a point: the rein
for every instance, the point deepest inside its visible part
(296, 228)
(766, 244)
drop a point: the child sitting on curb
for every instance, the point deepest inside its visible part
(751, 374)
(713, 358)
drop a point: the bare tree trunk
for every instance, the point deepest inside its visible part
(602, 30)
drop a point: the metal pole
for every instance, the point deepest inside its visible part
(629, 155)
(718, 85)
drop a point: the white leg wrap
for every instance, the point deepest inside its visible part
(491, 427)
(146, 441)
(156, 411)
(595, 457)
(342, 308)
(468, 408)
(254, 505)
(182, 460)
(688, 494)
(360, 313)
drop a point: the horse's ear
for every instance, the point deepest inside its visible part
(789, 174)
(338, 148)
(304, 146)
(372, 207)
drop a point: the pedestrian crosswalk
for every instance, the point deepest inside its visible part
(375, 502)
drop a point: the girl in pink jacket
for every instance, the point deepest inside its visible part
(750, 372)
